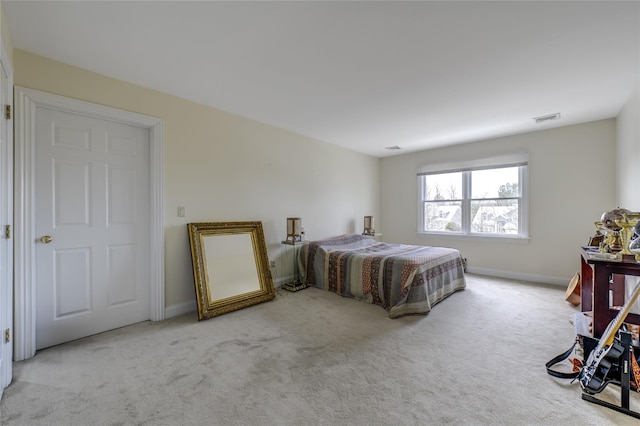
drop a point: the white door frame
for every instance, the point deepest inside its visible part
(26, 102)
(6, 213)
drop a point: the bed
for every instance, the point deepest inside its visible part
(403, 279)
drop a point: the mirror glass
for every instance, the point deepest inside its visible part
(230, 266)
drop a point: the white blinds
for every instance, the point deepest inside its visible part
(509, 160)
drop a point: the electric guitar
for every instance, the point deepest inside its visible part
(603, 359)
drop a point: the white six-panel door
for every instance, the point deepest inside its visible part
(86, 184)
(92, 227)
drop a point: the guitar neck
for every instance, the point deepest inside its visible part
(610, 333)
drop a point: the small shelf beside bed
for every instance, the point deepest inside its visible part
(296, 284)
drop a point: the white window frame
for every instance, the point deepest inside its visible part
(511, 160)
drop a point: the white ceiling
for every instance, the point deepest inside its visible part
(363, 75)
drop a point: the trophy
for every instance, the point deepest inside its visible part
(627, 225)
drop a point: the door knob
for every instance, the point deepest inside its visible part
(46, 239)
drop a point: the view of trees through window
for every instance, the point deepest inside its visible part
(476, 201)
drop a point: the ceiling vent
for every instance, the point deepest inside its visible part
(550, 117)
(393, 148)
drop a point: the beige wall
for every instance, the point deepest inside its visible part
(223, 167)
(571, 182)
(628, 159)
(5, 36)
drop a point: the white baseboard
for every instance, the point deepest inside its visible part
(179, 309)
(191, 306)
(542, 279)
(282, 280)
(186, 307)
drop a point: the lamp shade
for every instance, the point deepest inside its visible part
(294, 229)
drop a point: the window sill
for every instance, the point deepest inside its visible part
(478, 238)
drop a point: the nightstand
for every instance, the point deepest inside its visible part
(296, 283)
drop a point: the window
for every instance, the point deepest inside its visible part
(478, 198)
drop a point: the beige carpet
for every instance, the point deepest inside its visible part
(314, 358)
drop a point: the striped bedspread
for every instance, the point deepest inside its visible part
(403, 279)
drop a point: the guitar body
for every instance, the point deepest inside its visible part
(603, 369)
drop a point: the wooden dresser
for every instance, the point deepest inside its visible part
(603, 288)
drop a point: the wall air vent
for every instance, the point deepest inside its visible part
(544, 118)
(393, 148)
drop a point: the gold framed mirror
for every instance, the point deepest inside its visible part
(230, 266)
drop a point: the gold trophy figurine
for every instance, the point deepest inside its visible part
(611, 241)
(598, 239)
(609, 224)
(627, 224)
